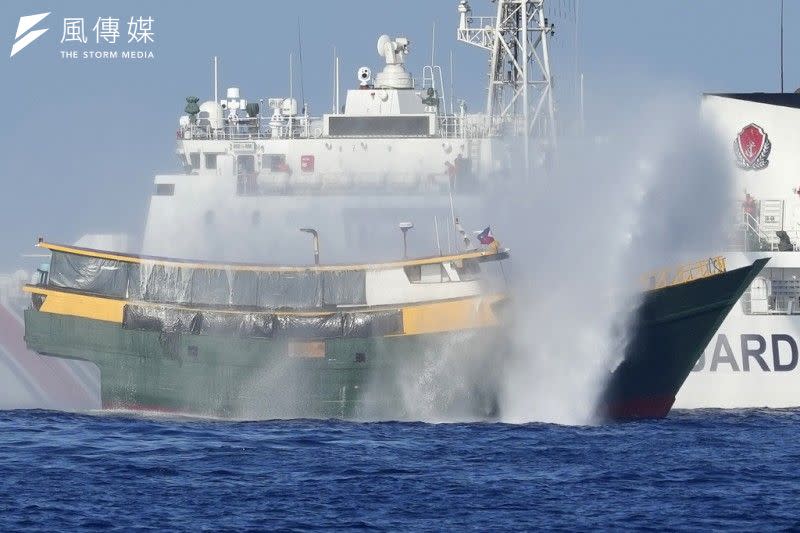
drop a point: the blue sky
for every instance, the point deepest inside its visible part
(83, 138)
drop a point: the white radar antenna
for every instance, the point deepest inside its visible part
(520, 86)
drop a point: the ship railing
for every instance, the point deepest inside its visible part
(684, 273)
(337, 184)
(250, 130)
(479, 31)
(452, 126)
(747, 235)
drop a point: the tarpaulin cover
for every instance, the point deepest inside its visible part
(240, 324)
(210, 287)
(309, 327)
(244, 287)
(345, 287)
(300, 289)
(174, 320)
(90, 274)
(372, 324)
(161, 283)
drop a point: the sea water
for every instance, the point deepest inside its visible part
(693, 470)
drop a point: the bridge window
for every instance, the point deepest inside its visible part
(165, 189)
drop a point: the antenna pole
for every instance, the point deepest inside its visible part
(290, 75)
(337, 86)
(216, 84)
(781, 46)
(583, 120)
(452, 96)
(433, 48)
(436, 229)
(300, 58)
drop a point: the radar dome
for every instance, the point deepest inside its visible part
(383, 40)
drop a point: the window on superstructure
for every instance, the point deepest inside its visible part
(194, 160)
(211, 161)
(246, 164)
(274, 162)
(165, 189)
(468, 270)
(434, 273)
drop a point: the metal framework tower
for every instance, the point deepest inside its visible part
(520, 85)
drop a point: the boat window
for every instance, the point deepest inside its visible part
(194, 160)
(776, 291)
(246, 164)
(398, 126)
(413, 273)
(274, 162)
(165, 189)
(89, 274)
(211, 161)
(468, 269)
(433, 273)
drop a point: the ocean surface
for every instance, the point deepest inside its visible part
(732, 470)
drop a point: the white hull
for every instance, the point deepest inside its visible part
(752, 361)
(734, 372)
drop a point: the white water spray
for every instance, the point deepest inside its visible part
(652, 193)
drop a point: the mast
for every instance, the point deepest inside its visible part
(216, 83)
(781, 46)
(520, 83)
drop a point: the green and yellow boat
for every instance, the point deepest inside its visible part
(397, 340)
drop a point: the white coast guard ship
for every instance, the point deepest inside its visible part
(256, 169)
(753, 360)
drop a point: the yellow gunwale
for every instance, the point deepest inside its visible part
(432, 316)
(192, 263)
(48, 291)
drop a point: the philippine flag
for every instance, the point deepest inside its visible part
(486, 237)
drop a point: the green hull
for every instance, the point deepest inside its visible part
(396, 377)
(447, 375)
(671, 329)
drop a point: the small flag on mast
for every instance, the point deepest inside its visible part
(486, 237)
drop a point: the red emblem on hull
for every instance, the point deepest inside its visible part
(752, 148)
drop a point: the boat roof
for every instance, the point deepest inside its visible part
(476, 255)
(778, 99)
